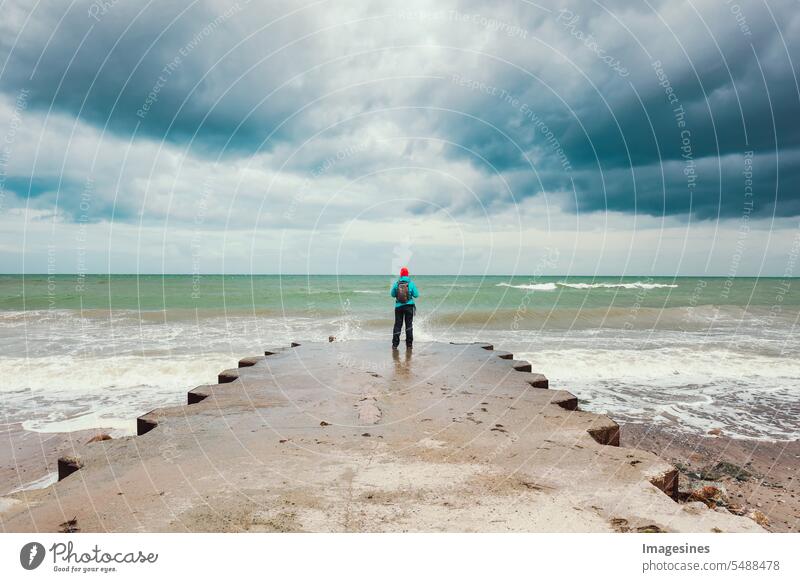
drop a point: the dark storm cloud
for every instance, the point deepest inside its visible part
(75, 200)
(646, 108)
(169, 70)
(689, 96)
(733, 186)
(23, 186)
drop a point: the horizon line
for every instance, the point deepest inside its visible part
(387, 274)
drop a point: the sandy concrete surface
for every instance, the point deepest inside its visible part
(29, 459)
(351, 436)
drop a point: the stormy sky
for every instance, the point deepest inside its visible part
(637, 138)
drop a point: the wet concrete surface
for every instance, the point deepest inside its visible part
(352, 436)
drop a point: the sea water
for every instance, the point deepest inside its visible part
(688, 353)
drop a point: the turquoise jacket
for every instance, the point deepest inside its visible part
(412, 292)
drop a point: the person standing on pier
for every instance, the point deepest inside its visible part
(404, 291)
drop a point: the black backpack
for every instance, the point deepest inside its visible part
(402, 291)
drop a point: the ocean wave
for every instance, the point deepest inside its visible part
(532, 287)
(554, 286)
(69, 393)
(636, 285)
(681, 387)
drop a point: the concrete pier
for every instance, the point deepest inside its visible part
(352, 436)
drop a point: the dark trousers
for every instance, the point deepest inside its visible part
(401, 314)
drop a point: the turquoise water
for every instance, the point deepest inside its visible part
(689, 353)
(330, 294)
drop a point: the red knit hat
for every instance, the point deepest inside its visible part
(404, 272)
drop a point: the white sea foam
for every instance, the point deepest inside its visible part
(554, 286)
(532, 287)
(68, 393)
(686, 388)
(635, 285)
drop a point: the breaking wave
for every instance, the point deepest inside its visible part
(636, 285)
(554, 286)
(532, 287)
